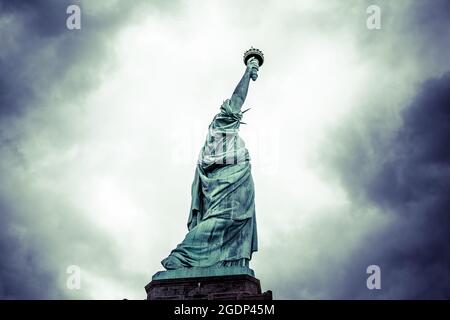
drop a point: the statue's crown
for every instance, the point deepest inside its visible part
(253, 52)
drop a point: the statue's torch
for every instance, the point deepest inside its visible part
(258, 58)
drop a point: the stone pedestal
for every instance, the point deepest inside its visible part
(218, 284)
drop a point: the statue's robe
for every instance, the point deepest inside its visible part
(222, 222)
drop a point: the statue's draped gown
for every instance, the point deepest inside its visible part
(222, 222)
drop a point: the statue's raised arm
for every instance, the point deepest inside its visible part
(222, 222)
(240, 93)
(253, 59)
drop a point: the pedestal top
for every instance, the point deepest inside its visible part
(203, 272)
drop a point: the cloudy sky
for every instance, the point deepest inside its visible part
(348, 132)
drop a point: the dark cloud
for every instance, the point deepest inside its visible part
(38, 242)
(414, 182)
(30, 30)
(428, 29)
(405, 174)
(411, 186)
(21, 276)
(43, 63)
(417, 164)
(39, 53)
(430, 20)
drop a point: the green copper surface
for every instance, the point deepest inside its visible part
(222, 233)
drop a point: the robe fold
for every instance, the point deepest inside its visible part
(222, 221)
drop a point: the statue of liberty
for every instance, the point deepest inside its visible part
(222, 222)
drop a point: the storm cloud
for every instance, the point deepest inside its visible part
(408, 182)
(412, 183)
(406, 175)
(44, 64)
